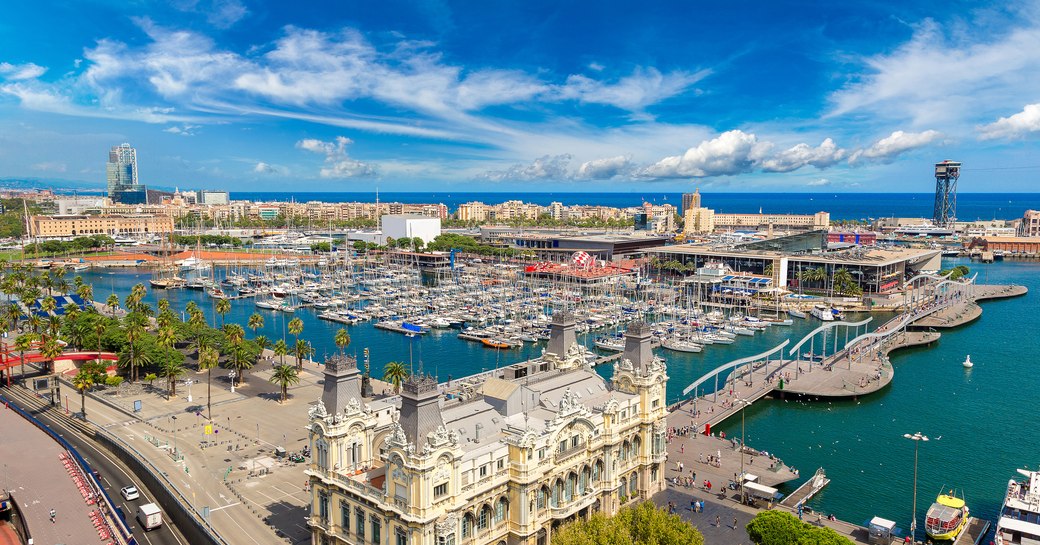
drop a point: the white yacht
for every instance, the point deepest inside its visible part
(1019, 522)
(822, 312)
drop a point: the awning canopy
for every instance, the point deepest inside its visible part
(761, 491)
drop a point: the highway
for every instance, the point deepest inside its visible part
(114, 475)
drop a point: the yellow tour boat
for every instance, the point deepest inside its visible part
(946, 518)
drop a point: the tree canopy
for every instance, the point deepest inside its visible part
(643, 524)
(781, 528)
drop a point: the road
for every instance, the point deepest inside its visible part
(114, 474)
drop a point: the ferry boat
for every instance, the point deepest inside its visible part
(1019, 521)
(822, 312)
(946, 518)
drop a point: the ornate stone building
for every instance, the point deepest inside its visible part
(498, 458)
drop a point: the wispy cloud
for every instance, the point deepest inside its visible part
(182, 130)
(15, 72)
(337, 163)
(894, 145)
(548, 167)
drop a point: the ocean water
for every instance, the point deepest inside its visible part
(842, 206)
(981, 421)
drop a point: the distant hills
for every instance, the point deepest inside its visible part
(54, 184)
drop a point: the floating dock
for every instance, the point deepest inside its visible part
(807, 490)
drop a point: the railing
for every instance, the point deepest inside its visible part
(575, 505)
(125, 535)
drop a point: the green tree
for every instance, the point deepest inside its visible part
(151, 377)
(280, 350)
(263, 343)
(302, 350)
(223, 307)
(112, 303)
(51, 351)
(208, 359)
(256, 321)
(171, 369)
(22, 344)
(83, 381)
(342, 340)
(285, 376)
(781, 528)
(395, 373)
(643, 524)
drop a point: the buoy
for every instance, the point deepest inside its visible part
(967, 361)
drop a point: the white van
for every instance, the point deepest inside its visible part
(149, 516)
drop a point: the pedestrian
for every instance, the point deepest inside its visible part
(54, 515)
(693, 505)
(734, 523)
(718, 521)
(682, 448)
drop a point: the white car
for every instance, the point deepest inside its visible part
(129, 493)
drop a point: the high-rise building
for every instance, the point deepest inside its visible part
(121, 174)
(690, 200)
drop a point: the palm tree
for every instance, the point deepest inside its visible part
(256, 321)
(296, 327)
(86, 292)
(13, 313)
(171, 370)
(48, 304)
(223, 307)
(208, 359)
(21, 344)
(191, 308)
(342, 340)
(395, 373)
(135, 328)
(83, 381)
(112, 303)
(302, 349)
(285, 376)
(263, 342)
(163, 305)
(51, 351)
(281, 349)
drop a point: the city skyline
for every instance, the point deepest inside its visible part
(246, 96)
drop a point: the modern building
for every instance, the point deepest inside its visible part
(875, 270)
(77, 226)
(561, 245)
(496, 458)
(690, 200)
(398, 226)
(819, 220)
(121, 175)
(1030, 226)
(207, 197)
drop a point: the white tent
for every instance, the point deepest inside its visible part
(762, 491)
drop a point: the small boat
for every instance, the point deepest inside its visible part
(946, 518)
(681, 345)
(495, 343)
(795, 313)
(822, 312)
(967, 362)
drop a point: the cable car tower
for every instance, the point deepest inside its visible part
(946, 175)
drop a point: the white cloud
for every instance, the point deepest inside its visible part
(547, 167)
(264, 168)
(819, 182)
(337, 163)
(800, 155)
(732, 152)
(1025, 122)
(645, 87)
(895, 144)
(16, 72)
(601, 169)
(183, 130)
(944, 74)
(225, 13)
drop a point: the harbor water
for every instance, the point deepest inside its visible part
(979, 420)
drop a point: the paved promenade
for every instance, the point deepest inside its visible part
(36, 476)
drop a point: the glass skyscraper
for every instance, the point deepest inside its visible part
(121, 172)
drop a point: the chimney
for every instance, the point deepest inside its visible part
(561, 333)
(637, 346)
(420, 408)
(342, 383)
(476, 431)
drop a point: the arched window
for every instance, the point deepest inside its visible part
(623, 487)
(583, 482)
(597, 470)
(624, 450)
(633, 483)
(557, 493)
(568, 490)
(543, 497)
(500, 510)
(636, 443)
(467, 525)
(484, 518)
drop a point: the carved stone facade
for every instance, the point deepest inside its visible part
(504, 461)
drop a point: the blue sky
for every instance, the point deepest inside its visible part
(524, 96)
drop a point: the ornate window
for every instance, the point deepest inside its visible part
(500, 510)
(633, 483)
(359, 519)
(323, 506)
(543, 496)
(376, 527)
(467, 525)
(483, 518)
(344, 515)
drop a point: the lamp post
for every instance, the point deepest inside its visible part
(917, 438)
(188, 383)
(232, 376)
(744, 403)
(174, 418)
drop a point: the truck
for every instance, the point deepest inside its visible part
(149, 516)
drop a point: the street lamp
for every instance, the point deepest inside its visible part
(174, 418)
(232, 376)
(744, 403)
(916, 438)
(188, 383)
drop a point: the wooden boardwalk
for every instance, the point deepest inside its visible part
(974, 533)
(807, 490)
